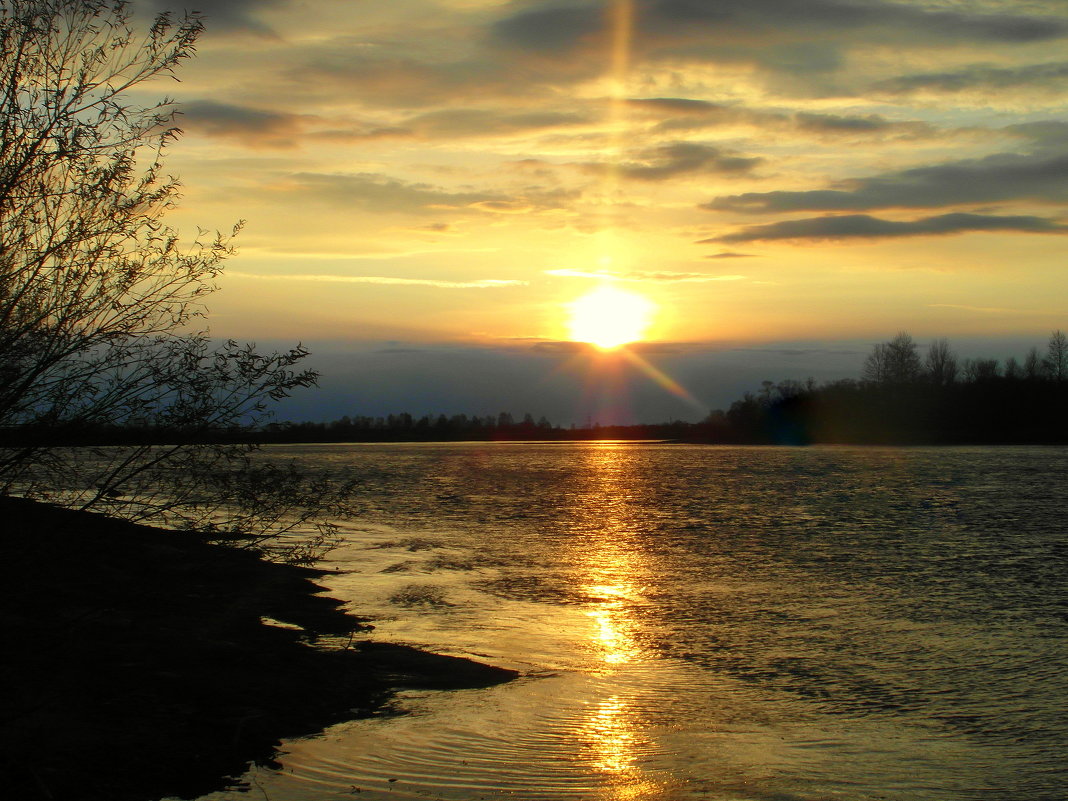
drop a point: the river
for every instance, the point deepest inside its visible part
(696, 622)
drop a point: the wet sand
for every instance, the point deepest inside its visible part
(138, 665)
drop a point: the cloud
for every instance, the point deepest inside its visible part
(456, 123)
(249, 126)
(726, 254)
(679, 158)
(983, 309)
(782, 35)
(660, 276)
(672, 160)
(555, 28)
(869, 124)
(380, 193)
(263, 128)
(996, 178)
(553, 348)
(1044, 135)
(683, 114)
(377, 75)
(236, 15)
(794, 352)
(375, 192)
(690, 115)
(979, 76)
(864, 226)
(486, 283)
(678, 105)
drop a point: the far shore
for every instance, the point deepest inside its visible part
(142, 663)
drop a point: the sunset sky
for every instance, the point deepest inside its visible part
(429, 184)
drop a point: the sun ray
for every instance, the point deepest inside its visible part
(622, 22)
(661, 378)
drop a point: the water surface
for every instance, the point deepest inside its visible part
(707, 623)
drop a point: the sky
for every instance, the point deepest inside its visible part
(428, 185)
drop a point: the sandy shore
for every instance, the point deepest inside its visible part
(138, 666)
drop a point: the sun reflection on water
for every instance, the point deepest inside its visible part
(608, 565)
(611, 571)
(612, 737)
(613, 625)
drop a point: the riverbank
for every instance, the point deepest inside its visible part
(139, 665)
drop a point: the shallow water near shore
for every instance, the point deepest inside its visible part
(702, 622)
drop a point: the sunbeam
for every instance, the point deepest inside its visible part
(661, 378)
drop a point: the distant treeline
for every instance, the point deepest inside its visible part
(461, 427)
(902, 397)
(905, 398)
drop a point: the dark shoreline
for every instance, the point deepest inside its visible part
(139, 667)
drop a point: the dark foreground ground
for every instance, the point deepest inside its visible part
(137, 667)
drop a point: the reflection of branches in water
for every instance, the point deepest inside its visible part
(217, 491)
(260, 788)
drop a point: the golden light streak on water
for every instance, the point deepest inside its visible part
(612, 737)
(614, 641)
(613, 572)
(613, 578)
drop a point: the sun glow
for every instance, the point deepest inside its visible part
(608, 317)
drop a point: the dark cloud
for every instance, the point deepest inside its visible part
(680, 158)
(677, 105)
(793, 352)
(373, 75)
(458, 124)
(265, 128)
(850, 15)
(250, 126)
(557, 27)
(1001, 177)
(380, 193)
(870, 124)
(221, 14)
(864, 226)
(374, 192)
(717, 115)
(980, 76)
(795, 32)
(690, 115)
(726, 254)
(562, 347)
(362, 133)
(1044, 135)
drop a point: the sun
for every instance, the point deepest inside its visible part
(608, 317)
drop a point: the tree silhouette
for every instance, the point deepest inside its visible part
(941, 363)
(98, 297)
(1056, 361)
(893, 362)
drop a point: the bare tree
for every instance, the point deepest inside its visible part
(981, 369)
(98, 297)
(941, 363)
(1032, 366)
(893, 362)
(1056, 361)
(1013, 371)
